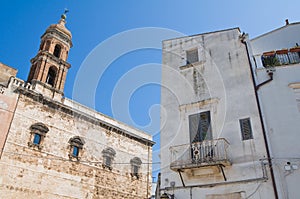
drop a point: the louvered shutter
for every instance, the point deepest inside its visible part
(246, 130)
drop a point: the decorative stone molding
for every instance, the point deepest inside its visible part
(38, 133)
(76, 145)
(135, 167)
(108, 157)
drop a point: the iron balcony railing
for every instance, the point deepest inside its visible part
(198, 154)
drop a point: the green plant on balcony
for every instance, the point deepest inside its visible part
(270, 61)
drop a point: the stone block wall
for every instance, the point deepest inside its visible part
(48, 172)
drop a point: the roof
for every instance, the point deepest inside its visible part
(212, 32)
(278, 29)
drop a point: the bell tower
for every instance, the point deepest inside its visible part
(49, 67)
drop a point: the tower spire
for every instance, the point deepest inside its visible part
(49, 67)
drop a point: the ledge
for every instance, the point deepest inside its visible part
(93, 116)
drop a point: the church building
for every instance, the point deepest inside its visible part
(54, 147)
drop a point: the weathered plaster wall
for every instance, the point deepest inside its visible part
(221, 83)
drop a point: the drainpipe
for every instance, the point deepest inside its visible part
(270, 73)
(261, 118)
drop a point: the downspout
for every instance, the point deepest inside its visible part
(261, 118)
(270, 73)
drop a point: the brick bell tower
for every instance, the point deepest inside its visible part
(49, 67)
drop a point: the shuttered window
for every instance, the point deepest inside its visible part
(246, 130)
(192, 56)
(200, 128)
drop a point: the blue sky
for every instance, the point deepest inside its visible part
(92, 22)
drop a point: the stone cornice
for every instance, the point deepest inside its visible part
(59, 35)
(42, 54)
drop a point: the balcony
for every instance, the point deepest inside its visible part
(281, 57)
(200, 154)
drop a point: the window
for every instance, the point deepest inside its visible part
(200, 128)
(75, 151)
(37, 139)
(135, 167)
(246, 130)
(57, 50)
(38, 132)
(76, 145)
(51, 76)
(108, 156)
(192, 56)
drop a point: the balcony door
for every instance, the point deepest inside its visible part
(200, 128)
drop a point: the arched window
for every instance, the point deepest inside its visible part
(57, 51)
(38, 132)
(135, 167)
(76, 145)
(108, 156)
(51, 76)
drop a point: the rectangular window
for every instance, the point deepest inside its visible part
(246, 130)
(37, 139)
(75, 151)
(108, 161)
(135, 170)
(192, 56)
(200, 128)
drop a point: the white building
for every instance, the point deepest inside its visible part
(280, 102)
(212, 140)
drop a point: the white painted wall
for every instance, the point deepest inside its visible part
(221, 83)
(280, 109)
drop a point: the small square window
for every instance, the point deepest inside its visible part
(246, 130)
(192, 56)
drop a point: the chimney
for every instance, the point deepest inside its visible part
(287, 22)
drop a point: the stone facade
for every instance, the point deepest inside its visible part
(53, 147)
